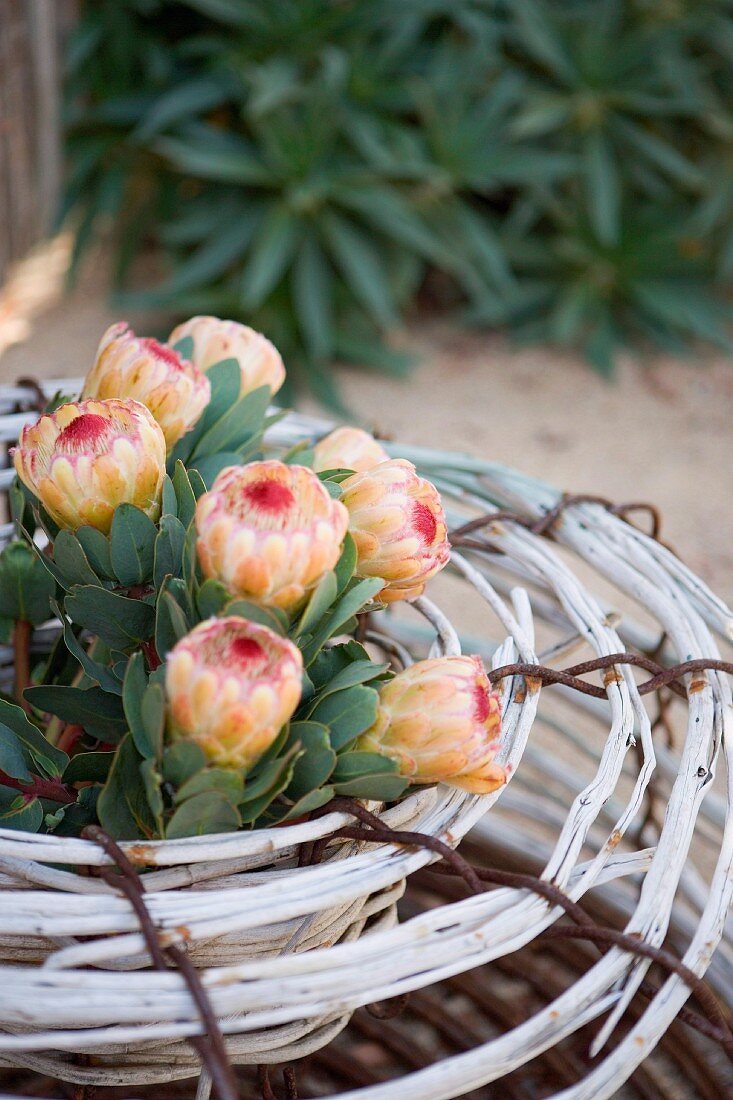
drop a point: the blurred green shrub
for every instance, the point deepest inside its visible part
(311, 166)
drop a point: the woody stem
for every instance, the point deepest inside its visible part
(22, 649)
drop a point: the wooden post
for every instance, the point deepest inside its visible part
(30, 140)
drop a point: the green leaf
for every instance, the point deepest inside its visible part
(184, 101)
(70, 820)
(603, 188)
(362, 269)
(71, 559)
(352, 764)
(97, 673)
(237, 164)
(267, 776)
(153, 714)
(169, 502)
(225, 379)
(271, 782)
(44, 756)
(171, 623)
(346, 564)
(152, 783)
(272, 250)
(89, 767)
(184, 494)
(169, 543)
(346, 713)
(133, 691)
(205, 813)
(313, 297)
(98, 711)
(227, 781)
(191, 568)
(380, 788)
(356, 672)
(97, 550)
(346, 606)
(123, 808)
(181, 760)
(368, 775)
(334, 660)
(318, 603)
(17, 813)
(318, 760)
(309, 802)
(12, 757)
(218, 252)
(239, 424)
(132, 542)
(273, 617)
(117, 620)
(275, 815)
(25, 585)
(211, 598)
(210, 466)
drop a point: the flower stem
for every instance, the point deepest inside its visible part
(22, 647)
(52, 789)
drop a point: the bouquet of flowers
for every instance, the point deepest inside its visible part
(211, 670)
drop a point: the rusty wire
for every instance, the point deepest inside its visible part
(570, 677)
(210, 1046)
(713, 1024)
(568, 500)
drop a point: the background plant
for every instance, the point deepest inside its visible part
(312, 167)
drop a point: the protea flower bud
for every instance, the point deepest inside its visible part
(348, 449)
(213, 340)
(269, 532)
(84, 459)
(231, 686)
(398, 524)
(441, 722)
(175, 391)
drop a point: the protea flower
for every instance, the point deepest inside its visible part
(175, 391)
(269, 532)
(398, 524)
(441, 722)
(213, 340)
(348, 449)
(231, 686)
(84, 459)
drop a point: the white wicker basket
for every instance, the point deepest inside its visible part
(288, 952)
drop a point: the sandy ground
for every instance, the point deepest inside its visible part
(661, 432)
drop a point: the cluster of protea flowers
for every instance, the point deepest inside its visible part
(269, 532)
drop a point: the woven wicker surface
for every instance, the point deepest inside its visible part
(455, 1016)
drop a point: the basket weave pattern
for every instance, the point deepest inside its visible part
(288, 952)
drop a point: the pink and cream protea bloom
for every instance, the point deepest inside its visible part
(398, 524)
(175, 391)
(213, 340)
(231, 686)
(441, 722)
(348, 449)
(269, 532)
(86, 458)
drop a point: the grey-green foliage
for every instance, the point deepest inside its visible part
(311, 166)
